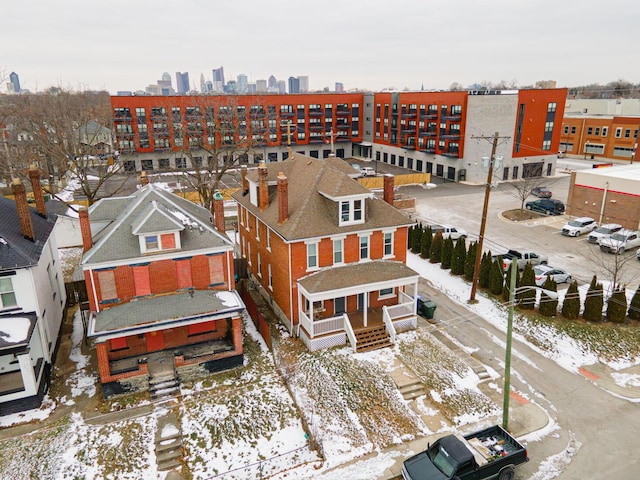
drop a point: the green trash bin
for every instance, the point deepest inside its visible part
(426, 307)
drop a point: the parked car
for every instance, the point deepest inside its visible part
(620, 241)
(367, 172)
(548, 206)
(544, 271)
(578, 226)
(604, 231)
(638, 254)
(522, 257)
(356, 167)
(541, 192)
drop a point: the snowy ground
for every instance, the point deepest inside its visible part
(292, 415)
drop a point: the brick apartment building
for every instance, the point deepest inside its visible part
(161, 288)
(430, 132)
(330, 255)
(593, 136)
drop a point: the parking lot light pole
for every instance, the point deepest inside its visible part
(507, 359)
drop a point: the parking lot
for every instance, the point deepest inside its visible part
(461, 206)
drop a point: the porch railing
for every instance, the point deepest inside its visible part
(349, 329)
(386, 318)
(404, 298)
(320, 327)
(400, 310)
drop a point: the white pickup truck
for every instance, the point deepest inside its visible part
(367, 172)
(522, 257)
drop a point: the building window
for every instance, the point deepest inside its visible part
(364, 248)
(597, 131)
(181, 162)
(385, 293)
(151, 243)
(259, 265)
(107, 282)
(337, 251)
(618, 132)
(268, 239)
(351, 211)
(183, 272)
(605, 131)
(548, 127)
(388, 244)
(270, 284)
(551, 107)
(627, 133)
(312, 255)
(216, 270)
(590, 131)
(7, 295)
(546, 145)
(141, 280)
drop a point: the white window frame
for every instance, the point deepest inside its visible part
(259, 265)
(351, 212)
(367, 239)
(384, 296)
(270, 277)
(338, 251)
(268, 239)
(618, 132)
(314, 246)
(6, 293)
(390, 235)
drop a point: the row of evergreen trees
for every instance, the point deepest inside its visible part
(492, 278)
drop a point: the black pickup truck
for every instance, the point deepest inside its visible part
(488, 454)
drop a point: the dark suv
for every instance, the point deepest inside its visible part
(547, 206)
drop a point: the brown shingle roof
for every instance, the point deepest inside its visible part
(311, 213)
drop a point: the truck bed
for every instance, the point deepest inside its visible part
(491, 444)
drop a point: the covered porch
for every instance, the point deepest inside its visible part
(364, 305)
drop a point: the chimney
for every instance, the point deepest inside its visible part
(34, 176)
(24, 213)
(388, 188)
(144, 180)
(218, 211)
(245, 183)
(85, 229)
(263, 187)
(283, 198)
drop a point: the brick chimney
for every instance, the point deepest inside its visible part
(263, 187)
(283, 198)
(144, 180)
(388, 193)
(34, 176)
(218, 212)
(245, 183)
(85, 229)
(22, 206)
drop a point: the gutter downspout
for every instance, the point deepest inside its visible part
(604, 199)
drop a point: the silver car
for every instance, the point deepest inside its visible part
(544, 271)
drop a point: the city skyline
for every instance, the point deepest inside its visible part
(363, 46)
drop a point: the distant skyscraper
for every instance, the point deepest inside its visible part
(282, 87)
(182, 82)
(294, 85)
(261, 85)
(15, 81)
(243, 84)
(339, 87)
(303, 83)
(218, 76)
(164, 85)
(273, 83)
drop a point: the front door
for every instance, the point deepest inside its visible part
(340, 305)
(360, 301)
(155, 341)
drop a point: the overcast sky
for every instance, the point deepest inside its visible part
(373, 44)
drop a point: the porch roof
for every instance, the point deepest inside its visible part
(161, 311)
(16, 331)
(349, 276)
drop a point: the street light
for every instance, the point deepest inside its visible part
(507, 359)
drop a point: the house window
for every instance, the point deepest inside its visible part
(107, 282)
(151, 243)
(7, 295)
(385, 293)
(312, 255)
(141, 280)
(259, 265)
(268, 239)
(168, 241)
(216, 270)
(257, 229)
(618, 132)
(364, 248)
(337, 251)
(118, 343)
(183, 272)
(388, 244)
(351, 211)
(605, 131)
(200, 328)
(270, 284)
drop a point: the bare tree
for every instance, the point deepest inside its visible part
(69, 135)
(522, 189)
(217, 139)
(613, 266)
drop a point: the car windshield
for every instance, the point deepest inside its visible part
(441, 459)
(603, 230)
(621, 237)
(576, 223)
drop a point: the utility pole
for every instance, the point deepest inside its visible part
(487, 191)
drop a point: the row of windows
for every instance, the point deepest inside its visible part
(313, 262)
(602, 131)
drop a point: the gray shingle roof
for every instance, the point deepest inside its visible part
(164, 309)
(117, 241)
(336, 278)
(15, 250)
(311, 213)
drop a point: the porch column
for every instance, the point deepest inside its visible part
(415, 298)
(365, 311)
(28, 375)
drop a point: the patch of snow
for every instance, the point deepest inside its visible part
(14, 330)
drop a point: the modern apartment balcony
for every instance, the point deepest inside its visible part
(287, 114)
(409, 146)
(410, 130)
(428, 149)
(450, 135)
(427, 133)
(316, 127)
(315, 113)
(343, 126)
(342, 112)
(451, 153)
(410, 114)
(316, 140)
(451, 116)
(428, 115)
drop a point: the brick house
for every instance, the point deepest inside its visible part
(32, 298)
(161, 288)
(329, 254)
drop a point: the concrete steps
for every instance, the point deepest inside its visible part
(411, 391)
(168, 443)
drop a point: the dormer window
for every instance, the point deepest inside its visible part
(159, 242)
(151, 243)
(351, 212)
